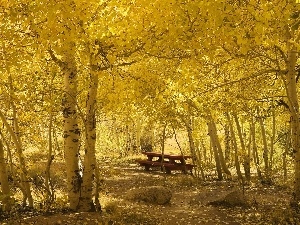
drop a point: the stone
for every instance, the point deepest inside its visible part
(154, 194)
(232, 199)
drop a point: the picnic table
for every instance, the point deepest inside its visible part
(166, 161)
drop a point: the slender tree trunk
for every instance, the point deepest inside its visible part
(4, 181)
(285, 153)
(89, 164)
(246, 157)
(219, 148)
(227, 144)
(138, 135)
(48, 186)
(291, 89)
(25, 180)
(128, 141)
(189, 129)
(163, 140)
(266, 150)
(175, 136)
(211, 152)
(11, 168)
(215, 150)
(272, 137)
(71, 132)
(235, 147)
(24, 176)
(204, 151)
(153, 138)
(117, 137)
(71, 127)
(97, 189)
(14, 132)
(199, 159)
(255, 152)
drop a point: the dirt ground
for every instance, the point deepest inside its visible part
(189, 203)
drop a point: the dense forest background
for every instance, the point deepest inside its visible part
(87, 81)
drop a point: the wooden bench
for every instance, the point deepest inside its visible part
(167, 165)
(184, 168)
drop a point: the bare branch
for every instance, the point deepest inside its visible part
(59, 62)
(281, 53)
(131, 51)
(169, 57)
(242, 79)
(106, 67)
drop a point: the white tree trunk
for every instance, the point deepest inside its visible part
(235, 147)
(291, 88)
(25, 184)
(4, 181)
(255, 152)
(215, 150)
(218, 145)
(71, 132)
(266, 149)
(246, 156)
(89, 164)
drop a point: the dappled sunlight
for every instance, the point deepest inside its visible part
(133, 112)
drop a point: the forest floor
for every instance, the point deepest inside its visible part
(267, 204)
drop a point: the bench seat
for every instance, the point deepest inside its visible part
(149, 164)
(168, 166)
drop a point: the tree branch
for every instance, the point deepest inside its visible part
(59, 62)
(281, 53)
(106, 67)
(242, 79)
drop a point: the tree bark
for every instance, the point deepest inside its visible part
(71, 132)
(285, 153)
(15, 127)
(6, 200)
(71, 128)
(204, 152)
(25, 180)
(189, 129)
(255, 152)
(48, 186)
(215, 150)
(227, 144)
(89, 164)
(199, 159)
(291, 89)
(246, 156)
(266, 150)
(138, 135)
(219, 148)
(235, 147)
(272, 137)
(163, 140)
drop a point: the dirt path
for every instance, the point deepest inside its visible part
(180, 210)
(188, 204)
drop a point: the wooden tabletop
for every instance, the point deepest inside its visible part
(156, 154)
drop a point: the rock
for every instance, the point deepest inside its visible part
(232, 199)
(155, 195)
(205, 197)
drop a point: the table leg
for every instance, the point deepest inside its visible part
(168, 171)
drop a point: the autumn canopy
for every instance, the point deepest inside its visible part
(84, 79)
